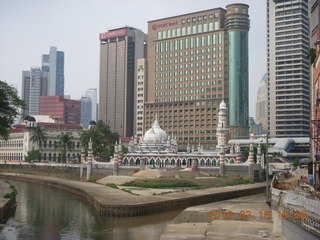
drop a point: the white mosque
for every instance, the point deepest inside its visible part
(158, 150)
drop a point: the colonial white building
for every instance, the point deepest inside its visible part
(17, 146)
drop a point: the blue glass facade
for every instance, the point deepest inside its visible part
(238, 78)
(60, 74)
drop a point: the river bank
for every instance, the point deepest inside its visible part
(7, 200)
(246, 217)
(113, 202)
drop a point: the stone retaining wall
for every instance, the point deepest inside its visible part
(130, 210)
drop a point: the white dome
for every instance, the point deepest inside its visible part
(223, 105)
(158, 130)
(150, 137)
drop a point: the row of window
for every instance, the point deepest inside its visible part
(197, 77)
(197, 84)
(186, 53)
(188, 43)
(182, 86)
(188, 30)
(188, 98)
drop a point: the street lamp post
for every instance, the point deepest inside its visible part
(267, 171)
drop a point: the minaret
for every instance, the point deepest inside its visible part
(222, 130)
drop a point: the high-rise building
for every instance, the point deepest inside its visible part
(92, 94)
(314, 7)
(86, 112)
(120, 48)
(195, 61)
(140, 96)
(262, 103)
(288, 68)
(53, 64)
(65, 109)
(34, 85)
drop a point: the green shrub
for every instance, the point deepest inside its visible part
(112, 185)
(161, 185)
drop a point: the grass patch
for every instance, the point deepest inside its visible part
(12, 194)
(162, 193)
(93, 180)
(112, 185)
(162, 185)
(129, 191)
(236, 182)
(221, 176)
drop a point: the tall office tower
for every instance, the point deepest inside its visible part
(86, 112)
(34, 85)
(140, 96)
(65, 109)
(119, 50)
(288, 68)
(92, 94)
(262, 103)
(315, 90)
(53, 64)
(188, 74)
(237, 24)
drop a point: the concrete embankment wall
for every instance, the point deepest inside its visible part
(141, 206)
(69, 171)
(6, 204)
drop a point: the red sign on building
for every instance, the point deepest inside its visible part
(111, 34)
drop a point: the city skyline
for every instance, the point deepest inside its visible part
(75, 30)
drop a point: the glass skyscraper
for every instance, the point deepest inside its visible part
(237, 24)
(53, 63)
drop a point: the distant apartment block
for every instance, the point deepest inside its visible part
(93, 95)
(57, 106)
(262, 104)
(86, 112)
(34, 85)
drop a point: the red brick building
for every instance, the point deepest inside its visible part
(57, 106)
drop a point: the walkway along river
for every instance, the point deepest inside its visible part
(48, 213)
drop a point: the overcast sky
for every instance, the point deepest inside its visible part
(29, 27)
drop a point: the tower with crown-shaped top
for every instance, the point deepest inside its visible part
(222, 130)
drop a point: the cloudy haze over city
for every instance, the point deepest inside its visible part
(29, 28)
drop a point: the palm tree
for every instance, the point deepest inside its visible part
(65, 144)
(103, 140)
(38, 136)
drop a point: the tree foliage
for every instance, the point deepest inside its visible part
(65, 144)
(103, 140)
(10, 104)
(33, 155)
(38, 136)
(312, 55)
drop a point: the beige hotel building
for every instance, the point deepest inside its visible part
(188, 73)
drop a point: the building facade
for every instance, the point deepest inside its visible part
(34, 85)
(119, 50)
(18, 145)
(53, 64)
(57, 106)
(86, 113)
(288, 68)
(93, 95)
(262, 104)
(189, 59)
(315, 91)
(140, 96)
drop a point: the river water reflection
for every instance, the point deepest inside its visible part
(47, 213)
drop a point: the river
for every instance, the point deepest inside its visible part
(44, 212)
